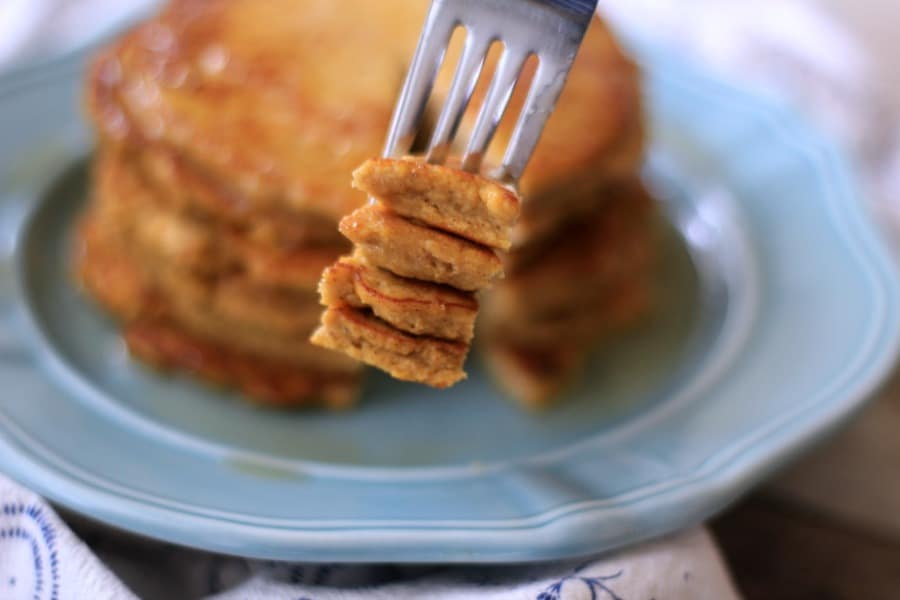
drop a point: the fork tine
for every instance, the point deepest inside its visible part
(420, 79)
(542, 96)
(494, 106)
(457, 100)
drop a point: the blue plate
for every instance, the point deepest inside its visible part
(778, 317)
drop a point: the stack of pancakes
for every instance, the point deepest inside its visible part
(564, 293)
(227, 132)
(428, 241)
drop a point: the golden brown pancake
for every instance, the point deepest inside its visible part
(582, 324)
(230, 331)
(409, 249)
(264, 381)
(117, 281)
(164, 235)
(534, 361)
(365, 337)
(461, 203)
(405, 301)
(533, 376)
(277, 101)
(107, 271)
(277, 105)
(186, 190)
(580, 262)
(416, 307)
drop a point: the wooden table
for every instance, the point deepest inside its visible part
(829, 527)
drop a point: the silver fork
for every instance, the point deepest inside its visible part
(550, 29)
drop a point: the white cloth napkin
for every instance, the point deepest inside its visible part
(782, 47)
(31, 30)
(40, 558)
(794, 51)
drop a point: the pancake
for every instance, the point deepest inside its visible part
(581, 261)
(581, 325)
(298, 267)
(259, 95)
(269, 309)
(105, 269)
(180, 239)
(409, 249)
(278, 105)
(182, 326)
(535, 361)
(464, 204)
(117, 281)
(288, 349)
(229, 307)
(405, 302)
(220, 311)
(186, 190)
(412, 306)
(533, 376)
(265, 382)
(407, 357)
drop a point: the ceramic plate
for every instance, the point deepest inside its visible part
(777, 318)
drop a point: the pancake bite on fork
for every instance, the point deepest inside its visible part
(405, 301)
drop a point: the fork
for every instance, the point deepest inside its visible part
(552, 30)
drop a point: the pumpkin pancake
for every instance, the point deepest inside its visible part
(535, 361)
(426, 243)
(533, 376)
(183, 240)
(464, 204)
(277, 104)
(152, 332)
(211, 309)
(186, 190)
(367, 338)
(107, 271)
(416, 307)
(416, 251)
(167, 346)
(258, 97)
(580, 262)
(583, 324)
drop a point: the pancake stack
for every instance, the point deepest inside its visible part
(226, 303)
(589, 279)
(428, 241)
(221, 172)
(227, 133)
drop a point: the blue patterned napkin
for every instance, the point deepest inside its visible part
(42, 559)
